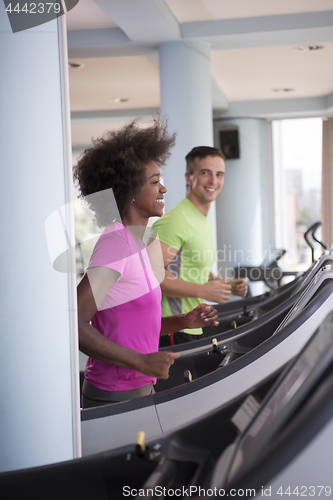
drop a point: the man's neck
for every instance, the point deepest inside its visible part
(202, 207)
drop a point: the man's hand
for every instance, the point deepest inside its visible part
(238, 287)
(157, 364)
(201, 316)
(216, 290)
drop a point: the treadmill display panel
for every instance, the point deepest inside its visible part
(296, 381)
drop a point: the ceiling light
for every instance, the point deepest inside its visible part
(72, 65)
(283, 90)
(118, 99)
(307, 48)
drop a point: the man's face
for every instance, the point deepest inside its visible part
(207, 179)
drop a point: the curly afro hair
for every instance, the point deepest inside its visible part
(117, 161)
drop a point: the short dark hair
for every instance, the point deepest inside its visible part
(117, 161)
(201, 152)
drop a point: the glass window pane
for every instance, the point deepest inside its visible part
(297, 162)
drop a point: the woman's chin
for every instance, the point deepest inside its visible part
(157, 213)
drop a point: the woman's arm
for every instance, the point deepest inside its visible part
(201, 316)
(91, 292)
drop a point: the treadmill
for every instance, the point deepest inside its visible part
(115, 425)
(264, 319)
(272, 269)
(286, 447)
(283, 446)
(243, 312)
(279, 443)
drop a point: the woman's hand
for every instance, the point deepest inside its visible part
(201, 316)
(157, 364)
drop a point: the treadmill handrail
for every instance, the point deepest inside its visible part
(310, 237)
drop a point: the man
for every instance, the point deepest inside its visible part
(187, 242)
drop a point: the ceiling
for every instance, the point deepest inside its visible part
(206, 10)
(253, 56)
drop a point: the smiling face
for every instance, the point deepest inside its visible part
(206, 181)
(150, 201)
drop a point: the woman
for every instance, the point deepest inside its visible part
(119, 297)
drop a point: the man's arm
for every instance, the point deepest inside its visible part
(172, 286)
(238, 286)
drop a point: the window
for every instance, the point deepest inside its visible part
(297, 164)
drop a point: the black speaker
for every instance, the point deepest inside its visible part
(229, 143)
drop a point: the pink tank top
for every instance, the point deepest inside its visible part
(130, 314)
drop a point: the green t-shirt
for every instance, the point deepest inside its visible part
(188, 231)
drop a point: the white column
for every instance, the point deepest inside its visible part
(327, 182)
(244, 207)
(39, 417)
(187, 105)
